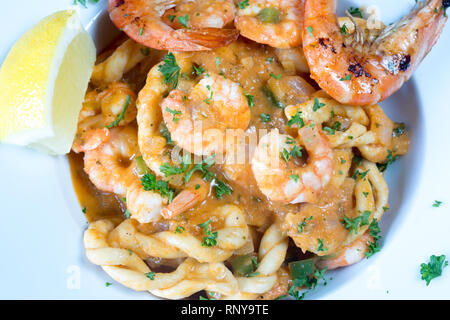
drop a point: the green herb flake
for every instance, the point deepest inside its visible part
(433, 269)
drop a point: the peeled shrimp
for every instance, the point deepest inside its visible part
(350, 254)
(284, 181)
(110, 166)
(368, 73)
(197, 121)
(142, 21)
(276, 23)
(101, 107)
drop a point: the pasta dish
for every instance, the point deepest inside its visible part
(236, 149)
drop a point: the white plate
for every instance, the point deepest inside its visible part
(42, 223)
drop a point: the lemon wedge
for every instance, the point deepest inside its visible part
(42, 84)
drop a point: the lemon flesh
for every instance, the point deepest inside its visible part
(42, 84)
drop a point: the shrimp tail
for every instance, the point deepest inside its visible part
(203, 39)
(182, 202)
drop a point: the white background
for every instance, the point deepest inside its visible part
(41, 227)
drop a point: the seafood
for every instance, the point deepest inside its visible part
(368, 73)
(197, 121)
(350, 254)
(110, 166)
(142, 21)
(284, 180)
(276, 23)
(101, 108)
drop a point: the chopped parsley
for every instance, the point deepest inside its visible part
(317, 104)
(352, 225)
(320, 246)
(389, 160)
(107, 284)
(166, 134)
(398, 131)
(198, 69)
(121, 115)
(184, 20)
(344, 29)
(301, 226)
(346, 78)
(175, 113)
(150, 183)
(373, 246)
(265, 117)
(170, 70)
(210, 239)
(202, 167)
(150, 275)
(355, 11)
(437, 203)
(272, 98)
(360, 174)
(250, 101)
(179, 229)
(296, 119)
(221, 189)
(433, 269)
(170, 170)
(310, 31)
(275, 76)
(84, 2)
(243, 4)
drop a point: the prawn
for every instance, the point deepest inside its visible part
(142, 21)
(109, 166)
(348, 255)
(368, 73)
(276, 23)
(284, 180)
(213, 105)
(101, 108)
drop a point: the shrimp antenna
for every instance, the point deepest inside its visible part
(359, 32)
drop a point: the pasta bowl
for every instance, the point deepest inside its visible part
(43, 223)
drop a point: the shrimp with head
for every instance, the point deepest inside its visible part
(278, 175)
(369, 70)
(276, 23)
(142, 20)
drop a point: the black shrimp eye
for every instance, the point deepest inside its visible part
(446, 3)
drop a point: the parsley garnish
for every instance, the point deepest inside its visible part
(198, 69)
(170, 170)
(356, 12)
(179, 229)
(275, 76)
(346, 78)
(317, 104)
(150, 183)
(150, 275)
(184, 20)
(310, 31)
(221, 189)
(175, 113)
(437, 203)
(121, 115)
(83, 2)
(243, 4)
(300, 226)
(374, 230)
(320, 246)
(202, 167)
(296, 119)
(250, 101)
(344, 29)
(166, 134)
(170, 70)
(433, 269)
(358, 222)
(210, 238)
(265, 117)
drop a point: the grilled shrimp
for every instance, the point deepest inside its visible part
(142, 21)
(197, 122)
(285, 181)
(369, 70)
(276, 23)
